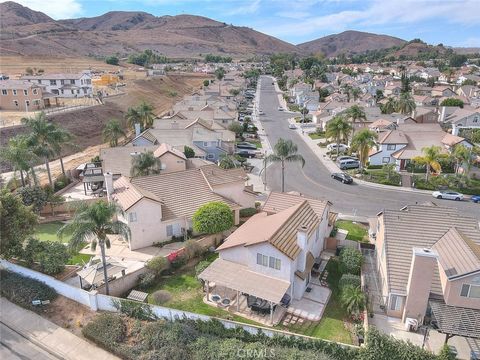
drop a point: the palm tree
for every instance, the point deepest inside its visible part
(355, 93)
(346, 89)
(61, 137)
(112, 132)
(355, 113)
(406, 104)
(353, 299)
(45, 139)
(18, 154)
(145, 111)
(227, 162)
(461, 155)
(390, 106)
(338, 128)
(363, 141)
(93, 222)
(133, 117)
(145, 164)
(431, 159)
(285, 151)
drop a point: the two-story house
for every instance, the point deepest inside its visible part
(428, 263)
(20, 95)
(462, 119)
(158, 207)
(64, 85)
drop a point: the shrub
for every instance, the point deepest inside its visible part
(212, 218)
(34, 196)
(107, 330)
(248, 212)
(54, 257)
(206, 83)
(134, 309)
(202, 265)
(353, 299)
(61, 182)
(146, 280)
(189, 152)
(158, 264)
(193, 249)
(349, 280)
(351, 260)
(161, 297)
(112, 60)
(23, 290)
(178, 261)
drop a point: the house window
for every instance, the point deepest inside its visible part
(14, 92)
(471, 291)
(15, 102)
(395, 302)
(385, 160)
(27, 103)
(132, 217)
(262, 259)
(169, 230)
(4, 92)
(62, 82)
(274, 263)
(36, 102)
(475, 119)
(205, 143)
(210, 156)
(391, 147)
(53, 82)
(72, 82)
(25, 92)
(35, 91)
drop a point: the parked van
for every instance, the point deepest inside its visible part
(333, 147)
(349, 164)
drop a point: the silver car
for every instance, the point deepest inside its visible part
(447, 194)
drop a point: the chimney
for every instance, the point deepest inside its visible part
(419, 283)
(302, 238)
(109, 184)
(137, 129)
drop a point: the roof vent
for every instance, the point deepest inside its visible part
(426, 250)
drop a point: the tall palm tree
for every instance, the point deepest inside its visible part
(45, 139)
(339, 129)
(145, 164)
(112, 132)
(355, 113)
(61, 137)
(460, 155)
(431, 159)
(347, 89)
(146, 114)
(363, 141)
(285, 151)
(92, 223)
(406, 104)
(18, 154)
(390, 106)
(353, 299)
(133, 117)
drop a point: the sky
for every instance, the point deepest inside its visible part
(451, 22)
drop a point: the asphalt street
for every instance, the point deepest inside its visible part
(314, 179)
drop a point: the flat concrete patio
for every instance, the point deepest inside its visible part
(312, 305)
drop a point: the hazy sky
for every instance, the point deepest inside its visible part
(452, 22)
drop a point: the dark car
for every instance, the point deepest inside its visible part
(246, 145)
(344, 178)
(475, 198)
(246, 153)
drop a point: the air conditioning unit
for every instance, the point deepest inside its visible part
(411, 324)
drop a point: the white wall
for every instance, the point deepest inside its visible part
(236, 193)
(146, 230)
(377, 159)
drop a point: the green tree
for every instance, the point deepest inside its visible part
(347, 90)
(236, 127)
(355, 93)
(17, 222)
(158, 264)
(189, 152)
(92, 222)
(212, 218)
(144, 164)
(220, 73)
(457, 60)
(353, 299)
(19, 156)
(285, 151)
(339, 129)
(112, 60)
(446, 353)
(379, 95)
(227, 162)
(452, 102)
(206, 83)
(145, 112)
(112, 132)
(35, 196)
(405, 104)
(390, 106)
(356, 114)
(363, 141)
(133, 117)
(431, 159)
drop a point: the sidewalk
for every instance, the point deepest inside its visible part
(48, 336)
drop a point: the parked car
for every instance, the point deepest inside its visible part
(341, 147)
(249, 154)
(280, 108)
(344, 178)
(447, 194)
(345, 157)
(475, 198)
(246, 145)
(260, 112)
(349, 164)
(292, 126)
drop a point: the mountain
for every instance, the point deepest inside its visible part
(349, 42)
(28, 32)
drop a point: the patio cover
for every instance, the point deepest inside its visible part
(455, 320)
(94, 273)
(241, 278)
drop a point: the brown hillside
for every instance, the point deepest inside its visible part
(350, 42)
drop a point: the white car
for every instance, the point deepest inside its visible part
(261, 112)
(447, 194)
(333, 147)
(292, 126)
(280, 108)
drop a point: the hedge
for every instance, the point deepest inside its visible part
(248, 212)
(349, 280)
(107, 330)
(23, 290)
(351, 260)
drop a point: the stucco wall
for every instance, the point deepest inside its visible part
(148, 228)
(377, 158)
(235, 192)
(453, 288)
(171, 163)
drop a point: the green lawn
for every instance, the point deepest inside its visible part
(356, 232)
(316, 136)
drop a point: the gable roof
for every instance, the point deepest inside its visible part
(277, 202)
(217, 176)
(127, 194)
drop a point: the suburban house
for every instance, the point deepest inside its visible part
(401, 145)
(442, 91)
(20, 95)
(118, 160)
(158, 207)
(64, 85)
(428, 264)
(462, 119)
(272, 254)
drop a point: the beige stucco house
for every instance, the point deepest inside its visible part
(20, 95)
(158, 207)
(428, 264)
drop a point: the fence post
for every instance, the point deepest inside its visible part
(92, 298)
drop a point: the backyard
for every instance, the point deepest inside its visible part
(356, 231)
(48, 232)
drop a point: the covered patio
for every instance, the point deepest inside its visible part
(247, 293)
